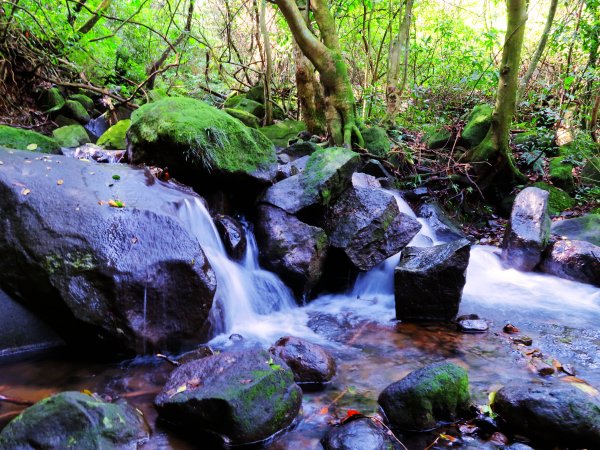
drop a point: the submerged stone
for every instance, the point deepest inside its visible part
(72, 420)
(310, 362)
(359, 434)
(244, 396)
(427, 398)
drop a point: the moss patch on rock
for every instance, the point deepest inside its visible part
(376, 140)
(114, 137)
(246, 118)
(242, 103)
(19, 139)
(71, 136)
(85, 101)
(558, 201)
(75, 110)
(561, 174)
(437, 137)
(478, 124)
(186, 133)
(282, 132)
(51, 100)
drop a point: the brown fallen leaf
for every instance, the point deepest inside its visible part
(26, 191)
(116, 203)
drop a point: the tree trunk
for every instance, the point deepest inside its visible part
(594, 120)
(92, 21)
(398, 65)
(493, 156)
(310, 94)
(327, 58)
(268, 63)
(535, 59)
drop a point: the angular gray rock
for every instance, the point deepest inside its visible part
(233, 236)
(573, 260)
(555, 414)
(245, 396)
(367, 225)
(133, 274)
(445, 229)
(428, 282)
(310, 362)
(292, 249)
(528, 230)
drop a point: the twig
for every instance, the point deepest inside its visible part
(15, 401)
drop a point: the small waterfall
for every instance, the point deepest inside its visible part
(246, 294)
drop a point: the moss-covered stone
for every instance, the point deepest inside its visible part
(19, 139)
(282, 132)
(437, 137)
(558, 201)
(427, 397)
(186, 134)
(157, 94)
(590, 174)
(51, 100)
(256, 93)
(242, 103)
(114, 137)
(71, 136)
(85, 101)
(478, 124)
(72, 420)
(63, 121)
(246, 118)
(538, 140)
(76, 111)
(376, 140)
(561, 174)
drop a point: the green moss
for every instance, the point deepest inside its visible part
(63, 121)
(478, 124)
(52, 100)
(437, 137)
(282, 132)
(204, 136)
(157, 94)
(558, 200)
(376, 140)
(114, 137)
(85, 101)
(257, 93)
(71, 136)
(240, 102)
(246, 118)
(561, 174)
(72, 262)
(20, 139)
(319, 176)
(76, 111)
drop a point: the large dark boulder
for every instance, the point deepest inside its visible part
(359, 434)
(72, 420)
(233, 236)
(367, 225)
(244, 396)
(428, 282)
(556, 414)
(132, 274)
(291, 248)
(310, 362)
(584, 228)
(193, 139)
(573, 260)
(528, 230)
(326, 175)
(427, 397)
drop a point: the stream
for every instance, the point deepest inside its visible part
(372, 350)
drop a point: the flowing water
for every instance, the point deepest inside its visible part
(372, 350)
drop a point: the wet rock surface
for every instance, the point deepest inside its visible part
(75, 420)
(245, 396)
(89, 268)
(428, 282)
(584, 228)
(573, 260)
(552, 413)
(293, 249)
(528, 231)
(427, 397)
(310, 362)
(359, 434)
(367, 224)
(445, 229)
(233, 236)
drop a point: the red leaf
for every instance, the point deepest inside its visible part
(352, 412)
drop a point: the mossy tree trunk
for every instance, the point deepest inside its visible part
(493, 156)
(268, 62)
(327, 58)
(92, 21)
(398, 65)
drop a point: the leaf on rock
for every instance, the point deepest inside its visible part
(32, 147)
(60, 182)
(116, 203)
(26, 191)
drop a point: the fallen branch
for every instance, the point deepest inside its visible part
(15, 400)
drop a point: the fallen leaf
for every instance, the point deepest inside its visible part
(116, 177)
(447, 437)
(352, 412)
(60, 182)
(324, 410)
(116, 203)
(32, 147)
(26, 191)
(87, 392)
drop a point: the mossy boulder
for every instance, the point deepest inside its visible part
(245, 396)
(584, 228)
(437, 137)
(477, 125)
(191, 137)
(256, 93)
(590, 174)
(242, 103)
(376, 140)
(427, 397)
(85, 101)
(157, 94)
(75, 110)
(282, 132)
(63, 121)
(561, 174)
(19, 139)
(51, 100)
(114, 137)
(558, 200)
(246, 118)
(72, 420)
(534, 141)
(71, 136)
